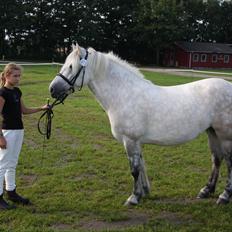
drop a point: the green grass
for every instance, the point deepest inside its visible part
(79, 179)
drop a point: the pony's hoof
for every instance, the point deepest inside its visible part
(132, 200)
(202, 195)
(222, 201)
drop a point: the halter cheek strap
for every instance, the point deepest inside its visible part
(83, 63)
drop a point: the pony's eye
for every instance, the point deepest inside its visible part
(70, 66)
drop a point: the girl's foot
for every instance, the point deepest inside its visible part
(4, 205)
(15, 197)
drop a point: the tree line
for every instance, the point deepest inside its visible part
(137, 30)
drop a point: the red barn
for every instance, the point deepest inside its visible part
(199, 55)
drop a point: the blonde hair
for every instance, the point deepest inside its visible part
(8, 69)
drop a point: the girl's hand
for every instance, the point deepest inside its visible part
(2, 142)
(45, 107)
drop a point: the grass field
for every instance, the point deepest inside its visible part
(80, 178)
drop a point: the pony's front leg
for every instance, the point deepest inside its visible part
(138, 171)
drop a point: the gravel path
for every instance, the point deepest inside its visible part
(190, 73)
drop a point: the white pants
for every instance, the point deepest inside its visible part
(9, 158)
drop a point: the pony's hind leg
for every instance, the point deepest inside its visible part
(217, 157)
(138, 171)
(224, 198)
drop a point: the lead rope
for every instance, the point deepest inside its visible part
(47, 116)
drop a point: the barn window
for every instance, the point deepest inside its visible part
(195, 57)
(226, 59)
(203, 57)
(214, 58)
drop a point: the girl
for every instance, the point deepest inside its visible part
(11, 131)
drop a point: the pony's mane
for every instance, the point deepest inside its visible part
(100, 62)
(124, 63)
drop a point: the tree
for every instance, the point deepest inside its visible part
(157, 26)
(9, 24)
(138, 30)
(106, 25)
(192, 22)
(224, 35)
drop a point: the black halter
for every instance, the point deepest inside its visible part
(48, 114)
(73, 80)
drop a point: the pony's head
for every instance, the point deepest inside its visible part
(71, 75)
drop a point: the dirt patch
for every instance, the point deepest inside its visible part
(97, 147)
(28, 180)
(183, 201)
(133, 219)
(66, 139)
(31, 143)
(62, 227)
(84, 176)
(176, 218)
(179, 201)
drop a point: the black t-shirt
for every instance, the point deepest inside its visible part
(11, 112)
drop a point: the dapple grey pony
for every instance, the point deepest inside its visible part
(141, 112)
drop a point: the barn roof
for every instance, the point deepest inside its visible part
(205, 47)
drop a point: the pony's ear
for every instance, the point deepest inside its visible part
(75, 46)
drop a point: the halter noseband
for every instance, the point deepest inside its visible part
(83, 63)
